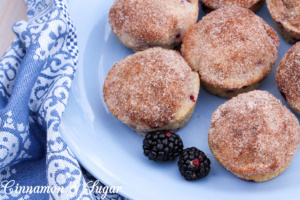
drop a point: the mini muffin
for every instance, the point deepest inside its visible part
(210, 5)
(254, 136)
(288, 77)
(141, 24)
(286, 15)
(152, 90)
(233, 50)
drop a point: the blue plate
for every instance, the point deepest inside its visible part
(112, 152)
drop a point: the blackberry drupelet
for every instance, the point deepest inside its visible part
(193, 164)
(162, 146)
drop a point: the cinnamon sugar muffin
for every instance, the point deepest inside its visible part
(286, 15)
(210, 5)
(288, 77)
(152, 90)
(254, 136)
(141, 24)
(233, 50)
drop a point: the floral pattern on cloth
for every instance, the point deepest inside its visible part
(35, 78)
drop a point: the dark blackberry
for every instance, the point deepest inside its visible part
(193, 164)
(162, 146)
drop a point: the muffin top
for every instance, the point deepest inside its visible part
(154, 21)
(150, 88)
(288, 76)
(231, 47)
(254, 133)
(287, 12)
(215, 4)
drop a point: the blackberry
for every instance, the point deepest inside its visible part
(162, 146)
(193, 164)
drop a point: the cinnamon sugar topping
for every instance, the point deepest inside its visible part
(156, 22)
(287, 12)
(215, 4)
(288, 75)
(254, 133)
(231, 47)
(148, 88)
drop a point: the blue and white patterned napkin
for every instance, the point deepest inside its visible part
(35, 79)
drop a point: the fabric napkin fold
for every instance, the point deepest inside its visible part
(35, 79)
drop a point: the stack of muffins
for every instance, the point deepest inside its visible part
(230, 52)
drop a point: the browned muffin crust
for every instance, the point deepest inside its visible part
(151, 90)
(286, 15)
(254, 136)
(288, 77)
(141, 24)
(210, 5)
(232, 48)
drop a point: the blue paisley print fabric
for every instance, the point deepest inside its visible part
(35, 79)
